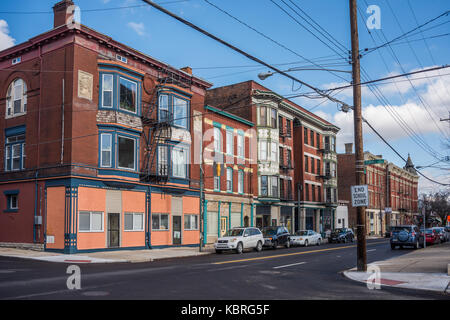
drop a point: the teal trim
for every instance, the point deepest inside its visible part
(242, 214)
(229, 215)
(205, 220)
(217, 125)
(218, 218)
(229, 115)
(251, 214)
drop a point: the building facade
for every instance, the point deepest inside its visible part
(97, 144)
(294, 150)
(393, 192)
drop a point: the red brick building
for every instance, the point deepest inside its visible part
(97, 144)
(393, 192)
(295, 150)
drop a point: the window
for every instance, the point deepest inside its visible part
(306, 191)
(312, 165)
(12, 202)
(327, 169)
(16, 60)
(288, 127)
(333, 144)
(229, 179)
(216, 177)
(163, 161)
(289, 158)
(134, 221)
(333, 169)
(305, 135)
(274, 186)
(240, 145)
(241, 181)
(313, 192)
(282, 192)
(306, 164)
(179, 162)
(126, 153)
(217, 140)
(264, 186)
(281, 159)
(106, 150)
(90, 221)
(262, 116)
(230, 146)
(160, 221)
(190, 222)
(318, 140)
(128, 95)
(16, 98)
(15, 152)
(273, 118)
(163, 108)
(280, 125)
(273, 150)
(107, 90)
(318, 166)
(312, 138)
(289, 189)
(180, 112)
(327, 143)
(121, 58)
(263, 150)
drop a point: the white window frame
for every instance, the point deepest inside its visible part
(263, 150)
(121, 58)
(191, 217)
(176, 106)
(16, 145)
(241, 145)
(230, 142)
(274, 151)
(90, 221)
(159, 215)
(137, 96)
(134, 152)
(162, 106)
(102, 136)
(133, 214)
(107, 90)
(229, 178)
(241, 181)
(163, 150)
(184, 164)
(217, 140)
(8, 158)
(10, 197)
(11, 98)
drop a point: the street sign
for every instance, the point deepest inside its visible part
(360, 196)
(374, 161)
(387, 210)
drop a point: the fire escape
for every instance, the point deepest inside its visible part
(157, 124)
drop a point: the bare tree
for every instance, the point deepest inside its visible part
(437, 203)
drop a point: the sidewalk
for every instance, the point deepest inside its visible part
(106, 256)
(423, 269)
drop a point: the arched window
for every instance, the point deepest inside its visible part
(16, 98)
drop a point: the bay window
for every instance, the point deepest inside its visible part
(106, 150)
(126, 153)
(128, 95)
(263, 150)
(273, 150)
(274, 187)
(264, 186)
(162, 161)
(107, 90)
(179, 162)
(262, 116)
(180, 112)
(163, 108)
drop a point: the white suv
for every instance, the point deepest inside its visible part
(239, 239)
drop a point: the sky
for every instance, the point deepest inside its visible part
(406, 112)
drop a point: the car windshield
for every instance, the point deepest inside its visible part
(234, 232)
(398, 229)
(301, 233)
(269, 231)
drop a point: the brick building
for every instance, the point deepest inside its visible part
(97, 144)
(389, 187)
(296, 162)
(228, 164)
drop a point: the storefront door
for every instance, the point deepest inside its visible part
(223, 225)
(113, 230)
(176, 227)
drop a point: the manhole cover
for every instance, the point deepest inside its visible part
(95, 293)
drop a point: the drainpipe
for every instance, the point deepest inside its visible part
(218, 219)
(35, 206)
(229, 215)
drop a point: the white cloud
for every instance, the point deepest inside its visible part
(6, 40)
(139, 28)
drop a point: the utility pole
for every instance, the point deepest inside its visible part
(359, 150)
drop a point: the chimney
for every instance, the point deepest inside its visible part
(60, 13)
(187, 70)
(349, 148)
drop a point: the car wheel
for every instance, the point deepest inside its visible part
(219, 251)
(319, 241)
(345, 240)
(258, 246)
(351, 239)
(416, 245)
(306, 243)
(239, 248)
(392, 246)
(275, 244)
(288, 244)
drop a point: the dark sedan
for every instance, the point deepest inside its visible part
(342, 235)
(275, 236)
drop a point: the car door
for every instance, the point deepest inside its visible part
(316, 237)
(311, 238)
(247, 238)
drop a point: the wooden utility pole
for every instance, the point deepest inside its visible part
(359, 150)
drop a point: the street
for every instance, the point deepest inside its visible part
(293, 274)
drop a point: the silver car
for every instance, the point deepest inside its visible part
(239, 239)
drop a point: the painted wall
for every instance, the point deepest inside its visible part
(55, 216)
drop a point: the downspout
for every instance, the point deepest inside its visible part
(62, 124)
(35, 205)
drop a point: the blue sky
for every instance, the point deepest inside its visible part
(419, 105)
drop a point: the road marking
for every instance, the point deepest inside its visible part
(371, 250)
(289, 265)
(293, 254)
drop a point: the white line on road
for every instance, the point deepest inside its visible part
(289, 265)
(371, 250)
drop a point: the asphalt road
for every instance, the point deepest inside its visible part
(295, 273)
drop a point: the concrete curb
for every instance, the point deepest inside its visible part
(437, 282)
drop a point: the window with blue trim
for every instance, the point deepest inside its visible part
(118, 149)
(128, 95)
(179, 162)
(180, 112)
(174, 109)
(126, 152)
(106, 150)
(12, 200)
(15, 152)
(107, 90)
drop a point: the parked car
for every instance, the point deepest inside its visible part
(443, 234)
(387, 233)
(305, 238)
(239, 239)
(275, 236)
(407, 235)
(432, 236)
(342, 235)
